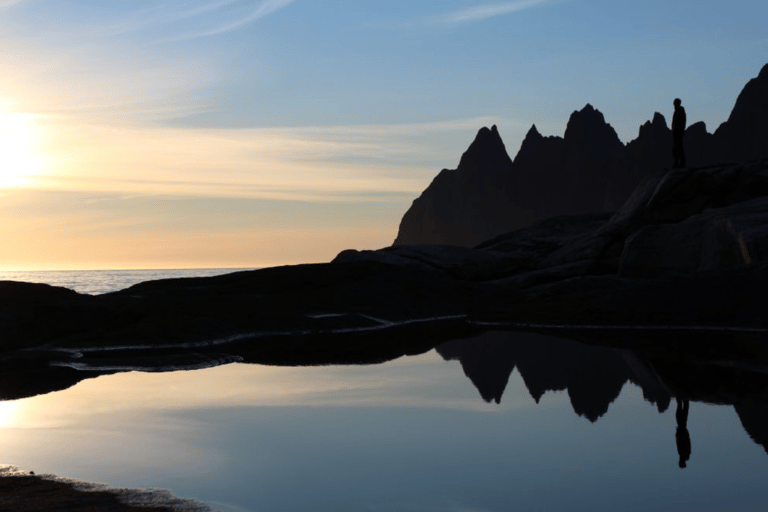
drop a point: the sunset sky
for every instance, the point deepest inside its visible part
(249, 133)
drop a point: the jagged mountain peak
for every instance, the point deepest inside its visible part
(659, 120)
(744, 135)
(487, 150)
(588, 125)
(654, 128)
(487, 135)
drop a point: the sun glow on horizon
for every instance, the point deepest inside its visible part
(19, 156)
(8, 416)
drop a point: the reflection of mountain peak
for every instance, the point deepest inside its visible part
(486, 360)
(593, 376)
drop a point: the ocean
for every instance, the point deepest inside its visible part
(95, 282)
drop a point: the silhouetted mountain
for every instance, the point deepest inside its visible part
(459, 204)
(745, 135)
(588, 170)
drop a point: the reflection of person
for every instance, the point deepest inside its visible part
(682, 437)
(678, 130)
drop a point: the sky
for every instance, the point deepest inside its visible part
(252, 133)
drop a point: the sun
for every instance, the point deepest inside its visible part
(19, 160)
(8, 413)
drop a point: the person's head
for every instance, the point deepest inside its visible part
(677, 102)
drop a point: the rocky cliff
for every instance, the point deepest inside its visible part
(588, 170)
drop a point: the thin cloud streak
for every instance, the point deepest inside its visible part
(211, 6)
(9, 3)
(157, 15)
(464, 16)
(483, 12)
(267, 7)
(368, 163)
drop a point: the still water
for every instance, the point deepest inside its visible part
(504, 421)
(412, 434)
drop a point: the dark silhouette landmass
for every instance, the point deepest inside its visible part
(588, 170)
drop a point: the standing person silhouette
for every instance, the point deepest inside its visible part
(678, 130)
(682, 437)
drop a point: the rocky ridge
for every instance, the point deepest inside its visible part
(588, 170)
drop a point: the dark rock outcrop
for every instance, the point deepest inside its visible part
(588, 170)
(745, 135)
(688, 246)
(462, 204)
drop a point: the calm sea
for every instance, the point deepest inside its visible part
(95, 282)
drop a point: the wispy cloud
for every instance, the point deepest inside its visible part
(470, 15)
(170, 21)
(371, 163)
(482, 12)
(8, 3)
(264, 9)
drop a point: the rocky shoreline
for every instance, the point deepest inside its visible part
(23, 491)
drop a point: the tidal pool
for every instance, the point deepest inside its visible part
(505, 421)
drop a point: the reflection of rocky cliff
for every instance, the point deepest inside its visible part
(593, 376)
(753, 413)
(587, 170)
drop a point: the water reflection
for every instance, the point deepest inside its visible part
(593, 377)
(682, 437)
(411, 434)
